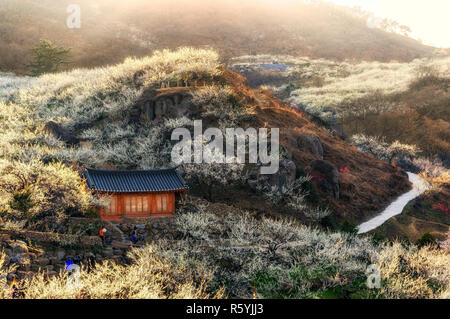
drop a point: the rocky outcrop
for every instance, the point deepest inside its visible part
(148, 230)
(154, 105)
(19, 247)
(284, 176)
(155, 109)
(311, 143)
(90, 241)
(46, 238)
(61, 133)
(17, 253)
(327, 176)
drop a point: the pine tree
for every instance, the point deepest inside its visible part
(48, 58)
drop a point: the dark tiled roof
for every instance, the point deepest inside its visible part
(134, 181)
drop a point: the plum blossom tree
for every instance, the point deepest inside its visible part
(214, 175)
(398, 148)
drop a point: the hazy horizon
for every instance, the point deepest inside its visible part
(428, 20)
(110, 30)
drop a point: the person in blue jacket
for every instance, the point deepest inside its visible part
(134, 235)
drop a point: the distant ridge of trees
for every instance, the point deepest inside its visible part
(110, 33)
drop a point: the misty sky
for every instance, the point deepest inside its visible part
(428, 19)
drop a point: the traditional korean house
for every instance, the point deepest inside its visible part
(136, 194)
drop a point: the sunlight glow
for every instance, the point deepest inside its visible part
(428, 20)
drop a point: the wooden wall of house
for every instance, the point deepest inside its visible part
(139, 205)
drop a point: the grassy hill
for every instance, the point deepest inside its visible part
(235, 241)
(110, 33)
(101, 114)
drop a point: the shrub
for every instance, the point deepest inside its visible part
(397, 148)
(40, 190)
(300, 196)
(433, 170)
(409, 272)
(312, 194)
(22, 201)
(382, 150)
(426, 240)
(370, 144)
(425, 75)
(348, 227)
(220, 103)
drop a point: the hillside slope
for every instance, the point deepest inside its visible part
(122, 116)
(408, 102)
(429, 213)
(367, 185)
(119, 117)
(110, 33)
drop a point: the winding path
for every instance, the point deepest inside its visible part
(396, 207)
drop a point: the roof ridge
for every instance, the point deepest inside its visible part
(135, 180)
(131, 171)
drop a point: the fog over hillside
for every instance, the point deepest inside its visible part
(112, 30)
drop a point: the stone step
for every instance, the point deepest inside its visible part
(121, 244)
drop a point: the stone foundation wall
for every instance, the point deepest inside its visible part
(47, 253)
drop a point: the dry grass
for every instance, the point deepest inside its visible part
(240, 253)
(414, 273)
(240, 248)
(148, 277)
